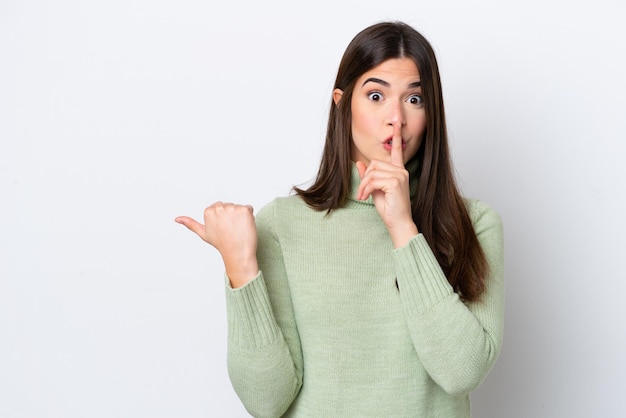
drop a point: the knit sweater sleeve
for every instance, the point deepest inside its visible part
(264, 354)
(456, 342)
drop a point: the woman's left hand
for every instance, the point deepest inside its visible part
(388, 184)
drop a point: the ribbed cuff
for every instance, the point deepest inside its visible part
(421, 281)
(251, 322)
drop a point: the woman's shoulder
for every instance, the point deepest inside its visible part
(482, 214)
(284, 203)
(282, 208)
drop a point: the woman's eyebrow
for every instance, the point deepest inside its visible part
(386, 84)
(376, 80)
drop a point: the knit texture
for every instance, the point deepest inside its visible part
(338, 323)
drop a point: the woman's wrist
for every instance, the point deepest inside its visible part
(242, 272)
(401, 235)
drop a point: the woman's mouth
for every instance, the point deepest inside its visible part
(389, 143)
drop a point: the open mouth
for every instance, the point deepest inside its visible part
(389, 143)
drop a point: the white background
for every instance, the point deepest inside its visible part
(116, 116)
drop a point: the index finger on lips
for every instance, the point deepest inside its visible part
(396, 146)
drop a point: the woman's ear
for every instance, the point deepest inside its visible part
(337, 94)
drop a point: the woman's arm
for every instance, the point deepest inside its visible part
(456, 342)
(264, 353)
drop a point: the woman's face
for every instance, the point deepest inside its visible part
(388, 94)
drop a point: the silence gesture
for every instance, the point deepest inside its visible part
(388, 184)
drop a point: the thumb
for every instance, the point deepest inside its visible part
(360, 165)
(191, 224)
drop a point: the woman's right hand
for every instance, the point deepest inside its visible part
(231, 229)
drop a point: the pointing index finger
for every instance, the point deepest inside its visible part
(396, 146)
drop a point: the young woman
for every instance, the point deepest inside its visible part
(378, 291)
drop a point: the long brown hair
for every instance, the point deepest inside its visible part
(438, 210)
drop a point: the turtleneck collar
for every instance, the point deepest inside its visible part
(355, 181)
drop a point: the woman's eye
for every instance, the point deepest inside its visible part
(416, 99)
(375, 96)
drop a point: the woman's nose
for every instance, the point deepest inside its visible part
(396, 114)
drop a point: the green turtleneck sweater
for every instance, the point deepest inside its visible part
(338, 323)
